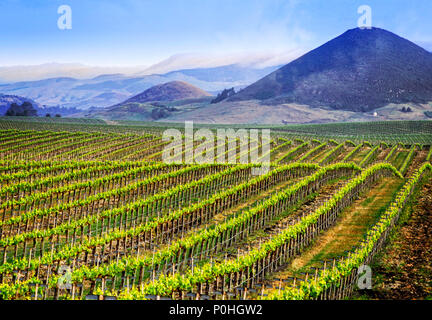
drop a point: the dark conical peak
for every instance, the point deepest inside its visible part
(360, 34)
(368, 32)
(357, 35)
(360, 70)
(364, 42)
(372, 30)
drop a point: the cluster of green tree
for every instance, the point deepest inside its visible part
(26, 109)
(406, 109)
(223, 95)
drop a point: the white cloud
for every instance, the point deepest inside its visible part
(275, 42)
(54, 70)
(200, 60)
(176, 62)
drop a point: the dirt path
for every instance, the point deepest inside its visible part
(281, 152)
(350, 227)
(300, 155)
(237, 209)
(249, 202)
(382, 154)
(400, 158)
(404, 269)
(348, 231)
(290, 158)
(342, 155)
(360, 155)
(419, 159)
(292, 216)
(320, 155)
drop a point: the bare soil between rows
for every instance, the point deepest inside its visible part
(404, 270)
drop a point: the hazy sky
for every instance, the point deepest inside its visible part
(144, 32)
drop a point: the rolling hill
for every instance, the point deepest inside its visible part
(170, 91)
(158, 102)
(360, 70)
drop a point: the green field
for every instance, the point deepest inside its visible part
(92, 210)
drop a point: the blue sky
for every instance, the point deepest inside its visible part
(144, 32)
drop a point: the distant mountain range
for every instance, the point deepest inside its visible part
(11, 74)
(110, 89)
(361, 70)
(364, 74)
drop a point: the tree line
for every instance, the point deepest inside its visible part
(26, 109)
